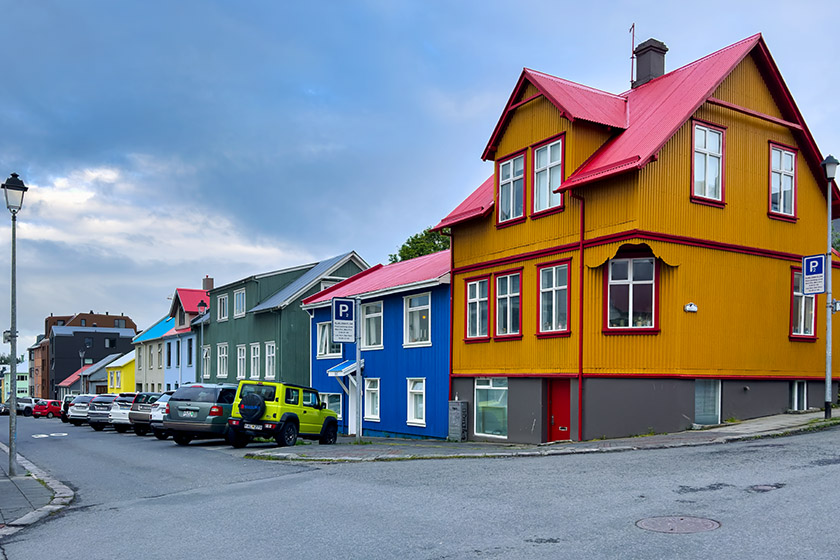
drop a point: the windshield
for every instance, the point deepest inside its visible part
(124, 399)
(267, 392)
(164, 398)
(196, 394)
(104, 398)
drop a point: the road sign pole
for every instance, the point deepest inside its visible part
(359, 381)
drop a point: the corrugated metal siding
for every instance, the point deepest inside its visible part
(744, 86)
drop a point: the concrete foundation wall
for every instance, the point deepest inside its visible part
(527, 410)
(745, 399)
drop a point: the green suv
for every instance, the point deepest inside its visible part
(281, 411)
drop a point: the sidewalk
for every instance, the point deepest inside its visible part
(392, 449)
(28, 497)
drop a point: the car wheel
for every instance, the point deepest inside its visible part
(287, 436)
(98, 427)
(161, 434)
(330, 435)
(121, 428)
(182, 439)
(238, 440)
(140, 430)
(50, 415)
(64, 419)
(27, 412)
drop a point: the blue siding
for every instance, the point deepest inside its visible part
(393, 365)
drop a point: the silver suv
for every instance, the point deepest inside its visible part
(25, 405)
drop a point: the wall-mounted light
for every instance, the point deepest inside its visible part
(690, 307)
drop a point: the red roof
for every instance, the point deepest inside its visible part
(479, 203)
(387, 277)
(73, 377)
(189, 299)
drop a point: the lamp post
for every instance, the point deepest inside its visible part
(202, 309)
(81, 366)
(14, 189)
(829, 165)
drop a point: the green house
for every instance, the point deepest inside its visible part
(255, 328)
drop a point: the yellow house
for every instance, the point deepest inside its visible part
(634, 262)
(121, 374)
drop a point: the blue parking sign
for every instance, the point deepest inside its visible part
(813, 274)
(343, 320)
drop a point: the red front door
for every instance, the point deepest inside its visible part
(558, 410)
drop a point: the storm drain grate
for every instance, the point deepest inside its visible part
(680, 525)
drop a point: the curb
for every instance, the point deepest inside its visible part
(62, 496)
(275, 456)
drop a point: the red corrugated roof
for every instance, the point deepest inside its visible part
(479, 203)
(577, 101)
(190, 297)
(379, 277)
(658, 109)
(73, 377)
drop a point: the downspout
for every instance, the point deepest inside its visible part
(451, 306)
(580, 313)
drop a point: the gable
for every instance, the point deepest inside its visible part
(745, 86)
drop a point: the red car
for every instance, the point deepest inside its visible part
(47, 408)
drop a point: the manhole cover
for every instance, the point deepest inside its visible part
(677, 524)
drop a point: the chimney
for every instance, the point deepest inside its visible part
(207, 283)
(650, 61)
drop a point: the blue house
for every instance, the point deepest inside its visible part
(405, 314)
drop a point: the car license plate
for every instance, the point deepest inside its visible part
(188, 414)
(253, 427)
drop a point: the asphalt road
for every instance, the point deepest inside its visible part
(140, 497)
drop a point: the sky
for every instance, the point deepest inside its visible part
(166, 141)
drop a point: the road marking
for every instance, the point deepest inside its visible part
(58, 434)
(41, 436)
(38, 436)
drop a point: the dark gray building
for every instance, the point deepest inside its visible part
(72, 347)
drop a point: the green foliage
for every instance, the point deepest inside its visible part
(419, 244)
(5, 359)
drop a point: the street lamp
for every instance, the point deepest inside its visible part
(14, 189)
(81, 365)
(829, 165)
(202, 309)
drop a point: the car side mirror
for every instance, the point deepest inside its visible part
(323, 405)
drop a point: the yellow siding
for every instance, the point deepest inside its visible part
(745, 87)
(126, 379)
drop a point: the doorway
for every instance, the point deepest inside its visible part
(558, 410)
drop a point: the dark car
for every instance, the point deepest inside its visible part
(140, 414)
(65, 407)
(47, 408)
(99, 411)
(199, 411)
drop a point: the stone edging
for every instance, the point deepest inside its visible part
(62, 496)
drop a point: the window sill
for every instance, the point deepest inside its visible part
(416, 424)
(511, 222)
(629, 330)
(536, 215)
(802, 338)
(504, 337)
(490, 436)
(238, 316)
(782, 217)
(477, 339)
(328, 357)
(366, 348)
(371, 419)
(708, 201)
(416, 344)
(556, 334)
(222, 320)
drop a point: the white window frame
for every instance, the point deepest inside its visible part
(367, 314)
(222, 308)
(707, 155)
(508, 297)
(340, 396)
(632, 283)
(255, 360)
(798, 319)
(241, 361)
(323, 348)
(510, 182)
(781, 173)
(160, 355)
(117, 382)
(412, 392)
(270, 355)
(479, 328)
(140, 359)
(239, 310)
(222, 360)
(205, 361)
(112, 375)
(407, 312)
(493, 383)
(553, 200)
(372, 392)
(552, 293)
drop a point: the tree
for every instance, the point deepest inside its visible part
(4, 359)
(419, 244)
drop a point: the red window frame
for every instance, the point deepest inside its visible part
(800, 337)
(534, 147)
(780, 215)
(605, 325)
(568, 330)
(519, 219)
(467, 281)
(496, 276)
(702, 199)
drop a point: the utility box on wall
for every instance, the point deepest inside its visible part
(458, 411)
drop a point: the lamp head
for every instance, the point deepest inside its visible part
(829, 165)
(14, 189)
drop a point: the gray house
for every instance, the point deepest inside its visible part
(255, 327)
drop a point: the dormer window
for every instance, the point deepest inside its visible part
(708, 164)
(511, 189)
(548, 174)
